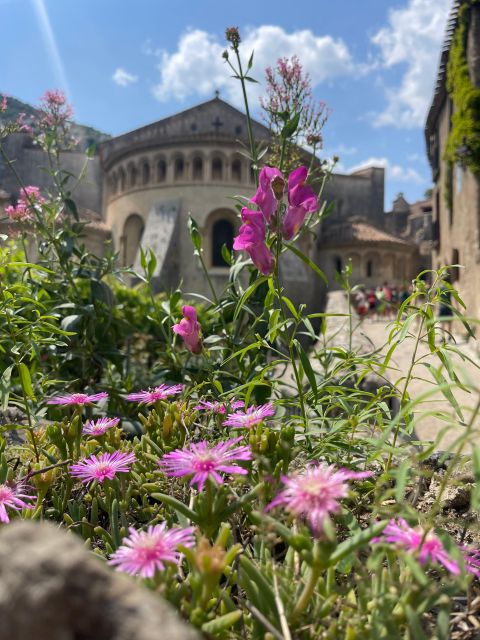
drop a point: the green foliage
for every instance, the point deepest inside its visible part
(465, 123)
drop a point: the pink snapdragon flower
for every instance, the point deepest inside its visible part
(106, 465)
(146, 552)
(252, 416)
(78, 398)
(251, 238)
(203, 461)
(218, 407)
(269, 192)
(158, 393)
(427, 546)
(14, 498)
(314, 493)
(301, 200)
(29, 199)
(189, 329)
(99, 427)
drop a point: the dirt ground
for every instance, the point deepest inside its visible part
(434, 417)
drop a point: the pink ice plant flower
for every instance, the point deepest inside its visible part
(427, 546)
(14, 498)
(158, 393)
(251, 238)
(218, 407)
(78, 398)
(202, 461)
(252, 416)
(146, 552)
(264, 197)
(189, 329)
(301, 200)
(105, 466)
(99, 427)
(314, 493)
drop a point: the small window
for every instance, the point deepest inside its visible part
(179, 168)
(222, 234)
(455, 261)
(237, 170)
(121, 179)
(145, 173)
(338, 264)
(132, 236)
(161, 171)
(197, 168)
(369, 268)
(217, 169)
(132, 175)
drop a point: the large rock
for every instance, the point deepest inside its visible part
(52, 588)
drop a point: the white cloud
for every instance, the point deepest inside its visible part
(412, 38)
(393, 171)
(197, 67)
(123, 78)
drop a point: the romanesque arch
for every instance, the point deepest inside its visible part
(161, 168)
(145, 164)
(132, 172)
(217, 168)
(220, 228)
(237, 170)
(197, 167)
(122, 179)
(179, 168)
(131, 238)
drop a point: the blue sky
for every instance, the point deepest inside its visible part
(124, 64)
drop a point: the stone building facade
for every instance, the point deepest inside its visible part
(144, 185)
(456, 194)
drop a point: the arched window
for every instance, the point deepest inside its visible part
(338, 262)
(161, 171)
(217, 169)
(114, 183)
(131, 238)
(197, 168)
(369, 270)
(237, 170)
(121, 178)
(132, 175)
(145, 173)
(222, 234)
(179, 168)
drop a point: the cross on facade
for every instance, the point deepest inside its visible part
(217, 123)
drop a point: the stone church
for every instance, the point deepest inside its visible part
(143, 185)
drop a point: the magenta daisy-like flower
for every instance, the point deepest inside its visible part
(14, 498)
(218, 407)
(314, 493)
(471, 557)
(250, 417)
(146, 552)
(99, 427)
(202, 461)
(427, 545)
(159, 393)
(78, 398)
(106, 465)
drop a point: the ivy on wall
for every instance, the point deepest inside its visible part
(465, 125)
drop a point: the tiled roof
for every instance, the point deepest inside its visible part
(357, 232)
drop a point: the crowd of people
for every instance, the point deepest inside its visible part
(381, 303)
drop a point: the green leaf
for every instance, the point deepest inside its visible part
(72, 207)
(307, 261)
(475, 497)
(250, 573)
(355, 542)
(444, 387)
(26, 380)
(195, 234)
(246, 295)
(307, 367)
(5, 386)
(250, 62)
(176, 505)
(222, 623)
(291, 126)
